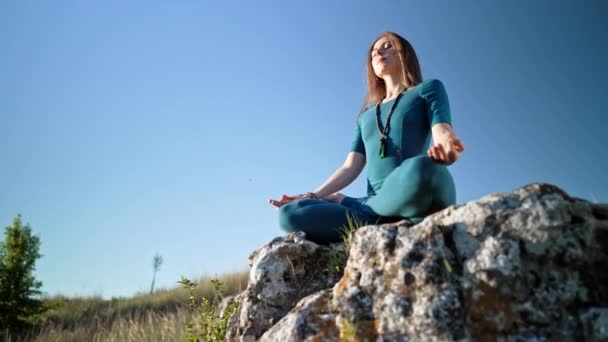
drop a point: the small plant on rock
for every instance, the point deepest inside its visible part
(338, 252)
(336, 256)
(209, 325)
(348, 330)
(352, 225)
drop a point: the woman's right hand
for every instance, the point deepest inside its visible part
(284, 200)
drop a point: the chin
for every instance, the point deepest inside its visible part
(383, 70)
(380, 72)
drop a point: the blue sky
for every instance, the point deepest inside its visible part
(131, 127)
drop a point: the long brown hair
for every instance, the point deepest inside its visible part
(410, 69)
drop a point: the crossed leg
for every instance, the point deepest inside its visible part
(416, 188)
(320, 220)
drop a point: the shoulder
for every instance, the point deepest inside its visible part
(365, 112)
(431, 86)
(431, 83)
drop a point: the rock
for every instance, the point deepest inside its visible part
(508, 266)
(525, 265)
(282, 272)
(396, 285)
(595, 324)
(313, 319)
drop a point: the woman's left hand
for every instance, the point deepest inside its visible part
(446, 152)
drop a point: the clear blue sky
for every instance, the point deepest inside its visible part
(136, 127)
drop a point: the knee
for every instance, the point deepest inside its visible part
(419, 170)
(288, 217)
(423, 162)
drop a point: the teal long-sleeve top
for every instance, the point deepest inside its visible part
(418, 109)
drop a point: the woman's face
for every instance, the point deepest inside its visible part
(385, 60)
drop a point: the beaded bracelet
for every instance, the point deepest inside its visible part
(310, 195)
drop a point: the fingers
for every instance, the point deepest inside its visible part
(451, 157)
(279, 203)
(457, 148)
(284, 200)
(453, 154)
(458, 145)
(447, 154)
(437, 152)
(432, 152)
(442, 154)
(275, 203)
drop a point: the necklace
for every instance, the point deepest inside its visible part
(384, 131)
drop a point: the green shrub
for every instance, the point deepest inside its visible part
(209, 325)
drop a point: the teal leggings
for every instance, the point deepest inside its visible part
(418, 187)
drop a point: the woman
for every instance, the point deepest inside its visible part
(392, 135)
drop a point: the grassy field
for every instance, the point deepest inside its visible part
(161, 316)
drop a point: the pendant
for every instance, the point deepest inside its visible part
(382, 148)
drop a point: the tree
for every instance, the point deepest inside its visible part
(157, 261)
(19, 305)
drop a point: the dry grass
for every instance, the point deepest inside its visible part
(148, 326)
(145, 317)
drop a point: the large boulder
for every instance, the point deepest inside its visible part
(525, 265)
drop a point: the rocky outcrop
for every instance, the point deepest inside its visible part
(313, 317)
(525, 265)
(282, 272)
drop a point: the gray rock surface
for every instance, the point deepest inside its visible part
(313, 319)
(282, 272)
(525, 265)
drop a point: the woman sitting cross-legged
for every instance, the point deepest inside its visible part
(406, 178)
